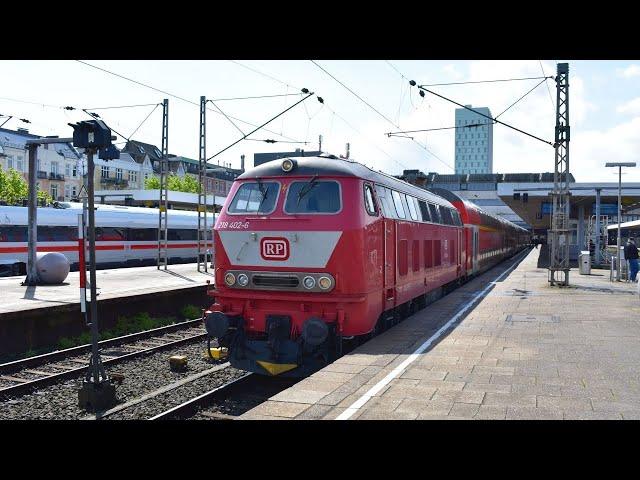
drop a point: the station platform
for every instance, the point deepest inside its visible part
(111, 283)
(504, 346)
(37, 317)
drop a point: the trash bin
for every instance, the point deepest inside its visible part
(584, 262)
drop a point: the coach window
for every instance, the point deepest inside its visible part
(313, 196)
(13, 234)
(424, 210)
(397, 203)
(255, 197)
(143, 234)
(109, 234)
(412, 207)
(435, 215)
(369, 202)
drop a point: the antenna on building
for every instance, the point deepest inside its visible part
(347, 154)
(319, 143)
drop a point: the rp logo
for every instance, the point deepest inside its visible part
(274, 248)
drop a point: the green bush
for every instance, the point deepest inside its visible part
(191, 312)
(65, 343)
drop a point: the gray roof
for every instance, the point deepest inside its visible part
(15, 139)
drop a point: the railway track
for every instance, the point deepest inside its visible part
(24, 375)
(228, 401)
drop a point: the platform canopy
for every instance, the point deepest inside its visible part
(532, 202)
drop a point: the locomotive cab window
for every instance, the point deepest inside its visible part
(255, 198)
(369, 202)
(313, 196)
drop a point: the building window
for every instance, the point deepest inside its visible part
(74, 193)
(54, 191)
(67, 191)
(54, 168)
(9, 163)
(118, 174)
(20, 164)
(104, 171)
(67, 170)
(133, 176)
(74, 171)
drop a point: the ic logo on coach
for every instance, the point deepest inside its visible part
(273, 248)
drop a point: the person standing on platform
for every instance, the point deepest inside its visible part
(631, 255)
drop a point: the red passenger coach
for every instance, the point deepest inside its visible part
(312, 251)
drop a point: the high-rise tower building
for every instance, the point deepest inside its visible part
(474, 141)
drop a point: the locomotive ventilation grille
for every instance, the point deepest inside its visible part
(261, 280)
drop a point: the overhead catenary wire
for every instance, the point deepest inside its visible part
(261, 126)
(173, 95)
(514, 103)
(257, 97)
(333, 112)
(226, 116)
(553, 105)
(436, 129)
(481, 81)
(487, 116)
(380, 114)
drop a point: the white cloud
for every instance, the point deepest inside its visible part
(629, 72)
(630, 107)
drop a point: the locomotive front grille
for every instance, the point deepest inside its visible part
(261, 280)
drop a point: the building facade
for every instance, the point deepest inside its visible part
(473, 141)
(58, 167)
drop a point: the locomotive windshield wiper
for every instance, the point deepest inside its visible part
(307, 188)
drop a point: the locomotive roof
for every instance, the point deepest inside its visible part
(330, 165)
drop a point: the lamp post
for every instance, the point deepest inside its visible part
(619, 165)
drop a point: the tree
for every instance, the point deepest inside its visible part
(174, 183)
(14, 188)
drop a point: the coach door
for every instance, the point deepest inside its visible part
(389, 262)
(476, 249)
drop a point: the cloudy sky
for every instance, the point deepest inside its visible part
(604, 108)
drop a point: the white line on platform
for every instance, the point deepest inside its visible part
(355, 406)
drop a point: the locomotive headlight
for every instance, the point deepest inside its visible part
(309, 282)
(243, 280)
(229, 279)
(325, 283)
(287, 165)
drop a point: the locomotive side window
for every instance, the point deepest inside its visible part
(416, 205)
(313, 197)
(384, 194)
(435, 214)
(424, 210)
(445, 214)
(397, 202)
(255, 197)
(412, 208)
(369, 203)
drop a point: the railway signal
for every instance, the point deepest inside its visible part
(97, 392)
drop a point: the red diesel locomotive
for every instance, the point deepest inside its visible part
(312, 251)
